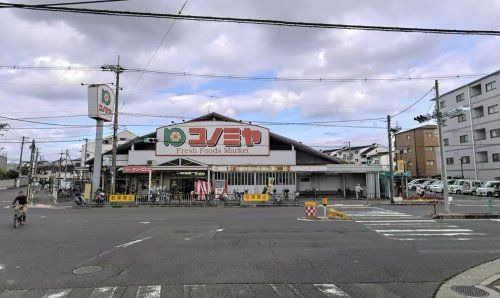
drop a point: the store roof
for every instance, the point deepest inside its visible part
(307, 154)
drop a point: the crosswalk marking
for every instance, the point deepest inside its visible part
(57, 293)
(194, 291)
(418, 229)
(285, 290)
(12, 293)
(191, 291)
(331, 290)
(148, 292)
(103, 292)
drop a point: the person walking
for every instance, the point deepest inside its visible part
(359, 192)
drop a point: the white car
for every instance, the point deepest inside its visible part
(438, 185)
(433, 183)
(425, 184)
(488, 188)
(463, 186)
(412, 185)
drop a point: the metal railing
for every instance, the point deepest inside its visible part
(195, 200)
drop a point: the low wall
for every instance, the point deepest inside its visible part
(9, 183)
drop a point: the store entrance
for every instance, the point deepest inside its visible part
(182, 185)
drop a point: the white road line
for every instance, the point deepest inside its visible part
(411, 220)
(424, 230)
(144, 222)
(432, 234)
(2, 266)
(495, 219)
(148, 292)
(285, 290)
(422, 224)
(195, 291)
(57, 293)
(132, 242)
(331, 290)
(103, 292)
(12, 293)
(427, 239)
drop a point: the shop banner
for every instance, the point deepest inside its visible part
(253, 197)
(212, 138)
(135, 169)
(121, 198)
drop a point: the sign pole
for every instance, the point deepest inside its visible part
(97, 156)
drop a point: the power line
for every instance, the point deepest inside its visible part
(300, 79)
(268, 22)
(39, 67)
(412, 105)
(152, 56)
(79, 2)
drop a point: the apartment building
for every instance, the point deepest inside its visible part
(418, 149)
(472, 140)
(366, 154)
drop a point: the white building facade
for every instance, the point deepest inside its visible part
(217, 148)
(472, 140)
(361, 155)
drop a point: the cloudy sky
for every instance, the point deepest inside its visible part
(61, 39)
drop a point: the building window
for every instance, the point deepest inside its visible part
(450, 161)
(409, 150)
(408, 137)
(464, 139)
(460, 97)
(430, 162)
(356, 160)
(461, 118)
(442, 104)
(480, 134)
(482, 157)
(493, 109)
(490, 86)
(410, 163)
(430, 134)
(445, 122)
(475, 90)
(495, 133)
(429, 149)
(446, 142)
(496, 157)
(477, 112)
(465, 159)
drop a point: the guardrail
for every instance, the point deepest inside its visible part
(198, 200)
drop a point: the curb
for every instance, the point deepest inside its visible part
(478, 277)
(175, 206)
(467, 216)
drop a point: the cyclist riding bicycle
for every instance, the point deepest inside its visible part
(23, 203)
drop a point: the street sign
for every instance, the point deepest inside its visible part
(251, 197)
(121, 198)
(101, 102)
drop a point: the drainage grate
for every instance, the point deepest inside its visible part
(87, 270)
(471, 291)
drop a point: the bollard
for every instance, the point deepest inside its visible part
(324, 203)
(310, 210)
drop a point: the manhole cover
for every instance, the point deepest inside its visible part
(471, 291)
(181, 231)
(87, 270)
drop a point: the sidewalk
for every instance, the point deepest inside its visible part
(42, 199)
(480, 281)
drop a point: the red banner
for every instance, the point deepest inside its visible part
(135, 169)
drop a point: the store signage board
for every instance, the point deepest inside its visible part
(101, 102)
(212, 138)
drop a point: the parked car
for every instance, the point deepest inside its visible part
(463, 186)
(424, 185)
(488, 188)
(438, 185)
(433, 183)
(412, 185)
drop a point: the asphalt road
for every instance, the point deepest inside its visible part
(386, 251)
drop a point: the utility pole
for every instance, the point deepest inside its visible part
(444, 175)
(21, 162)
(30, 173)
(391, 161)
(59, 172)
(117, 69)
(84, 161)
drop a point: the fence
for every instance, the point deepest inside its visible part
(195, 200)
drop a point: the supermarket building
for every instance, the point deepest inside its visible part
(214, 147)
